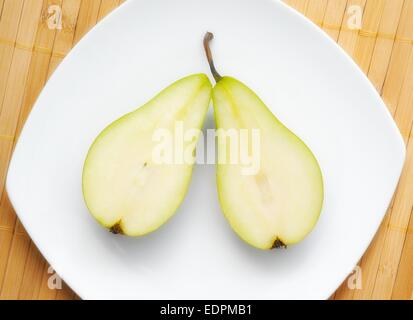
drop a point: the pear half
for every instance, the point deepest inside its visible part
(279, 204)
(125, 186)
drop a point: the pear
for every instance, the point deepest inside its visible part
(130, 184)
(280, 203)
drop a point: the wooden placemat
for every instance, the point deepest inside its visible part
(378, 34)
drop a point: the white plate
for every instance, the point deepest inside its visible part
(307, 81)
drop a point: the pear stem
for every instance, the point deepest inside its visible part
(207, 39)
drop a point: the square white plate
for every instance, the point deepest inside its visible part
(304, 77)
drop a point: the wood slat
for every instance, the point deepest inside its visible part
(33, 274)
(106, 7)
(348, 38)
(333, 17)
(1, 7)
(404, 110)
(403, 286)
(372, 15)
(402, 107)
(400, 54)
(7, 225)
(384, 42)
(16, 265)
(89, 13)
(316, 10)
(8, 32)
(11, 13)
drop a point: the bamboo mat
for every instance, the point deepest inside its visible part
(382, 45)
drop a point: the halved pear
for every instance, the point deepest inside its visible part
(280, 203)
(128, 187)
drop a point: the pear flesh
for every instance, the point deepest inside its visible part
(124, 188)
(281, 203)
